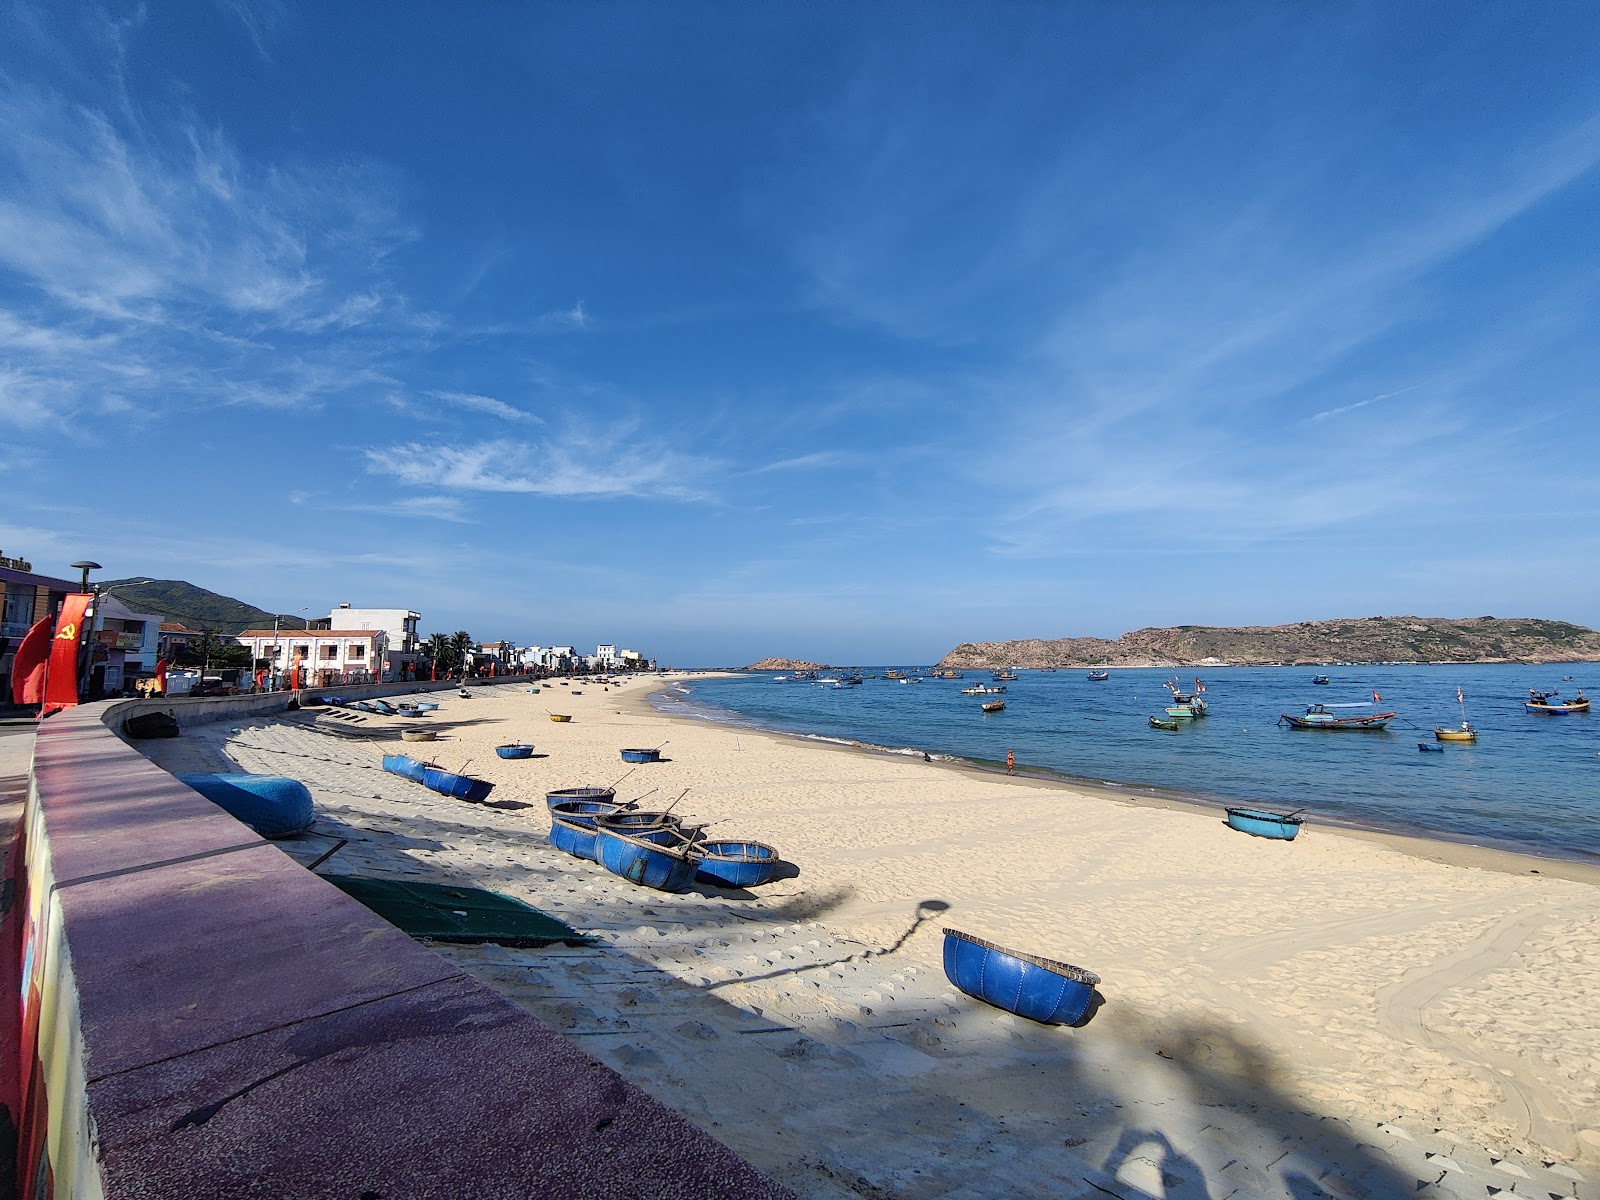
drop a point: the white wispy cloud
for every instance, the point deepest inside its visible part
(435, 508)
(262, 19)
(612, 462)
(1346, 408)
(486, 404)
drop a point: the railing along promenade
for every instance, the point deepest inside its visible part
(203, 1017)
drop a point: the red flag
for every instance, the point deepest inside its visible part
(27, 672)
(1376, 699)
(1198, 686)
(161, 675)
(61, 684)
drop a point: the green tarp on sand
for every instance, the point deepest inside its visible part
(457, 914)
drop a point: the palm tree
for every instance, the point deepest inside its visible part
(461, 645)
(437, 650)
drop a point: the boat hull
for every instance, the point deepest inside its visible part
(995, 706)
(1260, 823)
(275, 806)
(519, 750)
(560, 718)
(1041, 990)
(1373, 723)
(1577, 706)
(641, 756)
(1430, 747)
(640, 860)
(1456, 735)
(603, 795)
(573, 826)
(404, 766)
(737, 864)
(462, 787)
(1167, 723)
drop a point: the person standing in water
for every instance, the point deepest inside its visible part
(1011, 762)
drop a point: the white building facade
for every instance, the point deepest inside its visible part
(326, 657)
(400, 626)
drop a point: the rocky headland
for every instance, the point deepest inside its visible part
(1346, 640)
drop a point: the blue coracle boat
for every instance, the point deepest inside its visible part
(515, 750)
(462, 787)
(275, 806)
(653, 859)
(737, 864)
(1430, 747)
(572, 826)
(641, 756)
(1053, 993)
(562, 795)
(404, 766)
(1261, 823)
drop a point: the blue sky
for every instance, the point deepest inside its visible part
(840, 331)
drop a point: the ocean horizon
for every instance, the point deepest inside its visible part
(1529, 784)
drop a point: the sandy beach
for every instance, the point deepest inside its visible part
(1343, 1015)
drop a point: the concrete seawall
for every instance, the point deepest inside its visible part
(203, 1017)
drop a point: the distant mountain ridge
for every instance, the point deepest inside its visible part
(1345, 640)
(192, 606)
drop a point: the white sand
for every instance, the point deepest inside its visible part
(1343, 1015)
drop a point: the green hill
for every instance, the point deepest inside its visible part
(192, 606)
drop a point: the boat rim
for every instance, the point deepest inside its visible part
(1066, 970)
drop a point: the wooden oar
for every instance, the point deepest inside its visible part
(630, 804)
(625, 774)
(1295, 813)
(657, 749)
(674, 804)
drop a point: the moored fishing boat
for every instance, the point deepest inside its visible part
(1319, 679)
(638, 755)
(1318, 717)
(1260, 822)
(994, 706)
(1466, 733)
(573, 827)
(1431, 746)
(1099, 676)
(1040, 989)
(1165, 723)
(1551, 702)
(737, 863)
(980, 689)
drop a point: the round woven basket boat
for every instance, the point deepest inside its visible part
(1041, 989)
(417, 735)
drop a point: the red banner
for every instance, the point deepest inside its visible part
(27, 671)
(61, 684)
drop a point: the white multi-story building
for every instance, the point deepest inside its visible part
(123, 647)
(326, 657)
(400, 624)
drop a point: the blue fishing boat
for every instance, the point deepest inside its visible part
(1053, 993)
(1261, 823)
(737, 864)
(629, 822)
(1430, 747)
(1551, 702)
(641, 756)
(658, 859)
(562, 795)
(515, 750)
(1319, 679)
(573, 828)
(1099, 676)
(275, 806)
(404, 766)
(451, 783)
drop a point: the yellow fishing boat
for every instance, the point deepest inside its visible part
(1465, 734)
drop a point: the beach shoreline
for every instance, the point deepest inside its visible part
(1340, 1008)
(1430, 847)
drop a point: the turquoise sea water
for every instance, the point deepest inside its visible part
(1531, 782)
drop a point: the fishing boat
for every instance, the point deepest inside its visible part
(515, 750)
(1431, 747)
(994, 706)
(1318, 717)
(1551, 702)
(1465, 734)
(573, 826)
(737, 863)
(275, 806)
(1004, 675)
(560, 717)
(1259, 822)
(1320, 679)
(417, 735)
(1099, 676)
(404, 766)
(648, 755)
(661, 859)
(600, 795)
(982, 689)
(1165, 723)
(1040, 989)
(453, 783)
(1187, 711)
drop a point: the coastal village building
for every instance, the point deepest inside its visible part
(399, 624)
(123, 648)
(327, 657)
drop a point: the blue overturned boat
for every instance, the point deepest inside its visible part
(515, 750)
(1259, 822)
(452, 783)
(737, 864)
(1041, 989)
(404, 766)
(655, 858)
(275, 806)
